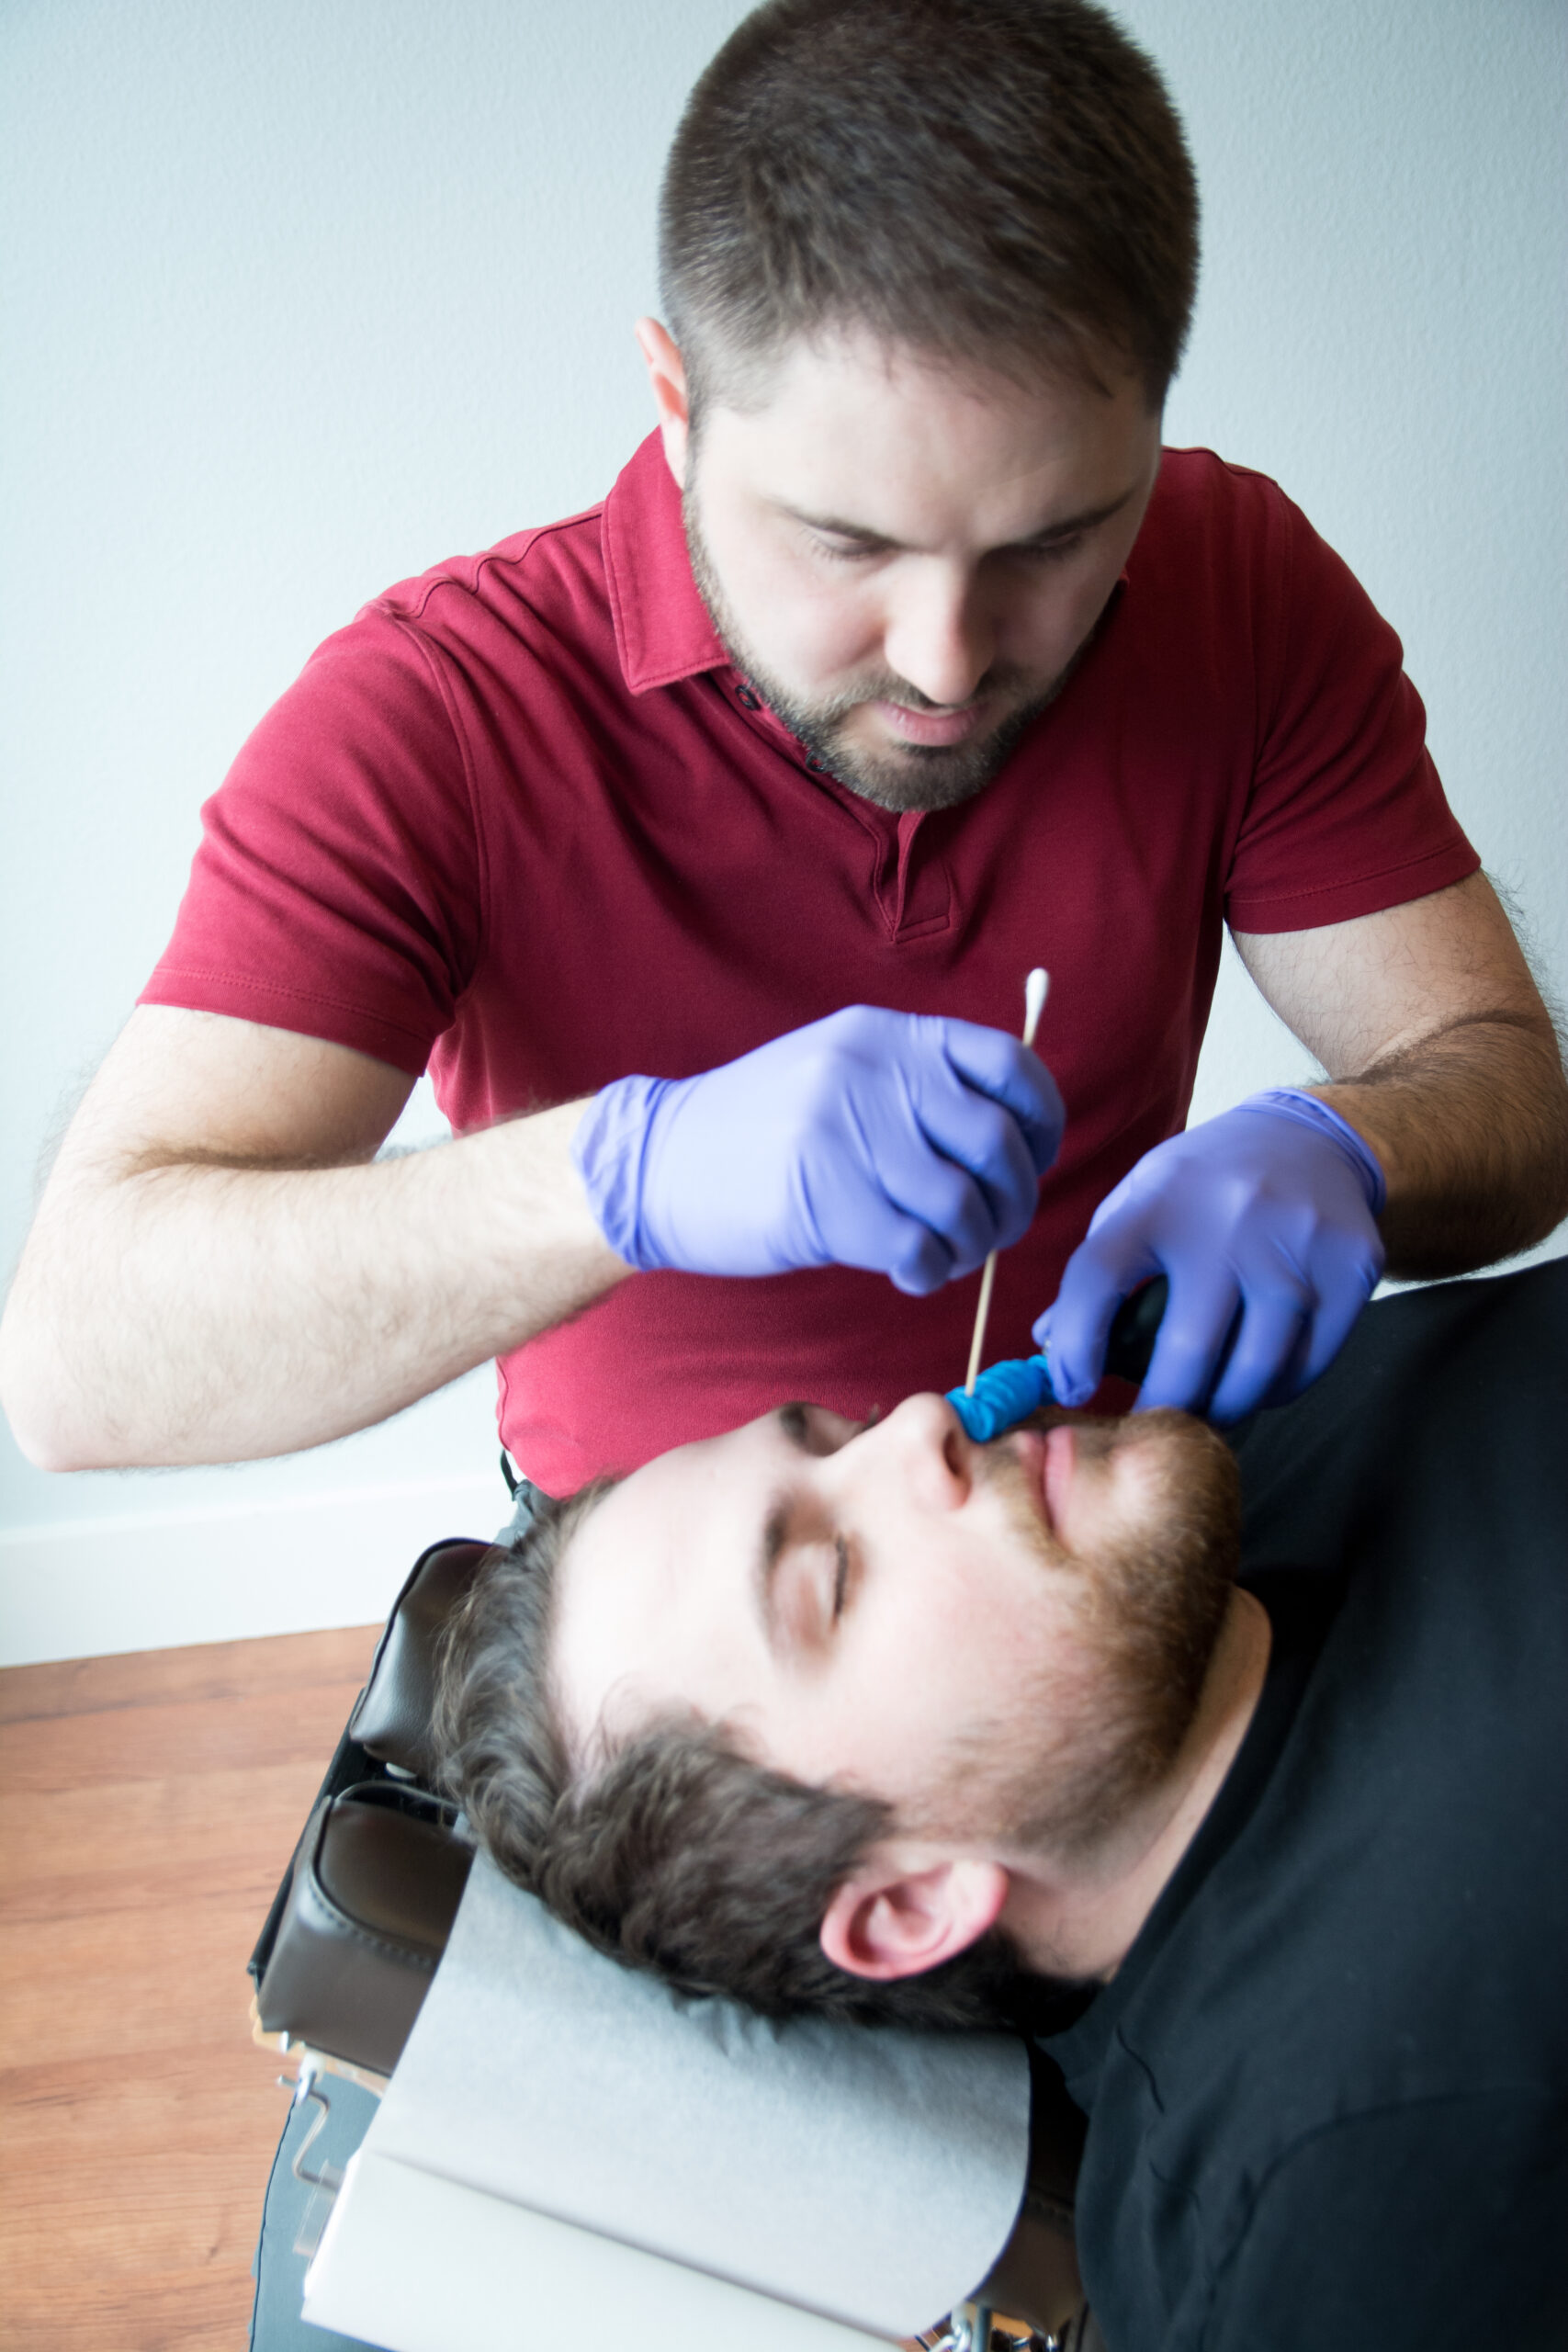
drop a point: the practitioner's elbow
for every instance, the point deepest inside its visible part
(55, 1425)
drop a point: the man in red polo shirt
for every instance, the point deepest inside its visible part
(699, 846)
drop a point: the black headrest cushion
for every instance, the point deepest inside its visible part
(392, 1718)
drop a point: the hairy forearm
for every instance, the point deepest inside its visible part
(1470, 1126)
(197, 1312)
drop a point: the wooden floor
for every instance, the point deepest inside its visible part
(150, 1805)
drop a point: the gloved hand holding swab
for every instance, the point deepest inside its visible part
(906, 1144)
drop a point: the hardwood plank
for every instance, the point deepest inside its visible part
(90, 1750)
(154, 1803)
(168, 1980)
(139, 2147)
(196, 2311)
(79, 1686)
(74, 1850)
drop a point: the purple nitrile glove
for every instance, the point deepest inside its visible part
(1268, 1213)
(899, 1142)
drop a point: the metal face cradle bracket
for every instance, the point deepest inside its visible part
(974, 2327)
(325, 2180)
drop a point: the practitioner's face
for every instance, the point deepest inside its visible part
(906, 561)
(859, 1605)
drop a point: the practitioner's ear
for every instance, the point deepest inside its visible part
(667, 375)
(903, 1911)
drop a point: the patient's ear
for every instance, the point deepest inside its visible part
(903, 1913)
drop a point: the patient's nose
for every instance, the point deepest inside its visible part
(931, 1452)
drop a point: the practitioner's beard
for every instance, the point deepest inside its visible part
(919, 776)
(1058, 1767)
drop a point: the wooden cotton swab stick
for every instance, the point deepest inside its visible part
(1034, 989)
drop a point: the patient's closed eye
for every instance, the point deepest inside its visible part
(840, 1576)
(814, 1584)
(804, 1573)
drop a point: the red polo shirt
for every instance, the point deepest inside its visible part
(523, 822)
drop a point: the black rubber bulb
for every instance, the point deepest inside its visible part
(1134, 1331)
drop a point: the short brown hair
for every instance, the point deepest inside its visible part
(995, 181)
(681, 1855)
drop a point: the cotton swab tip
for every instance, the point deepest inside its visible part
(1034, 989)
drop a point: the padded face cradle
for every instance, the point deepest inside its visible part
(392, 1857)
(391, 1720)
(375, 1890)
(358, 1925)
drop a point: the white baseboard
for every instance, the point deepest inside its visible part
(159, 1580)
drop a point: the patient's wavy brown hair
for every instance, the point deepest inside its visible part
(679, 1855)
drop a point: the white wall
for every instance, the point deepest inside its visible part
(301, 298)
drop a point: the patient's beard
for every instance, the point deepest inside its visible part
(1066, 1758)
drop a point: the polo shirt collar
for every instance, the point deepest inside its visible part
(662, 629)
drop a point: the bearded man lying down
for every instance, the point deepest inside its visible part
(1238, 1773)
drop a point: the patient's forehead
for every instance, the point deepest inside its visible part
(651, 1588)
